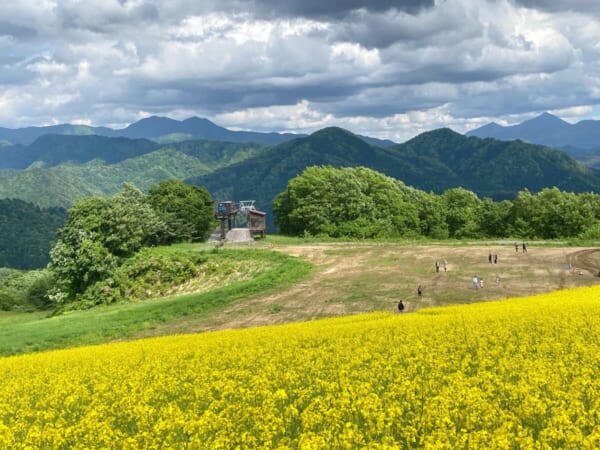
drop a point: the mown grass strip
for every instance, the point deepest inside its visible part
(102, 324)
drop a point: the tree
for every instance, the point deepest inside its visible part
(130, 223)
(186, 210)
(461, 210)
(560, 214)
(349, 202)
(98, 234)
(432, 214)
(493, 218)
(521, 214)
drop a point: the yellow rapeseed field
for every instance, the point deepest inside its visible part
(518, 373)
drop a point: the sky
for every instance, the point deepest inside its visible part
(388, 69)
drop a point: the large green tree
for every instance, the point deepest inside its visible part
(552, 213)
(461, 212)
(186, 210)
(348, 202)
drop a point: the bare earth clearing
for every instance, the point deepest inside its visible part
(357, 278)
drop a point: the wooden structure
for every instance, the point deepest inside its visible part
(226, 211)
(257, 222)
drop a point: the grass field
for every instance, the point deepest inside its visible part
(244, 272)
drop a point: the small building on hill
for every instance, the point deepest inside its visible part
(257, 222)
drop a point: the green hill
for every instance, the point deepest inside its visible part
(51, 150)
(62, 184)
(496, 169)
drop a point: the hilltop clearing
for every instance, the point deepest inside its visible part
(357, 278)
(274, 284)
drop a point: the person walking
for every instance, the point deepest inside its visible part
(524, 247)
(437, 265)
(420, 291)
(400, 306)
(516, 246)
(445, 265)
(475, 282)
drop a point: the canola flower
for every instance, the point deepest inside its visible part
(518, 373)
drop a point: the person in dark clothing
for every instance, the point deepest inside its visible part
(420, 291)
(400, 306)
(524, 247)
(495, 259)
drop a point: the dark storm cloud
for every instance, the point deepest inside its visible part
(99, 17)
(17, 31)
(583, 6)
(321, 9)
(381, 30)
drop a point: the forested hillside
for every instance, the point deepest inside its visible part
(52, 150)
(434, 161)
(62, 184)
(494, 168)
(26, 232)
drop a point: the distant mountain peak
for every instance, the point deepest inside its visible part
(328, 131)
(546, 119)
(547, 129)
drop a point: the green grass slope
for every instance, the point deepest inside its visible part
(22, 333)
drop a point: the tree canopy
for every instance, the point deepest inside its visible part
(102, 233)
(186, 210)
(359, 202)
(353, 202)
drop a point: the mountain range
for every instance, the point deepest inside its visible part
(55, 170)
(158, 129)
(580, 140)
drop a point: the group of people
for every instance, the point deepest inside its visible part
(477, 282)
(437, 265)
(419, 293)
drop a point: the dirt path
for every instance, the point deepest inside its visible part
(588, 260)
(355, 278)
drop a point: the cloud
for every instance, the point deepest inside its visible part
(103, 16)
(376, 64)
(326, 10)
(583, 6)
